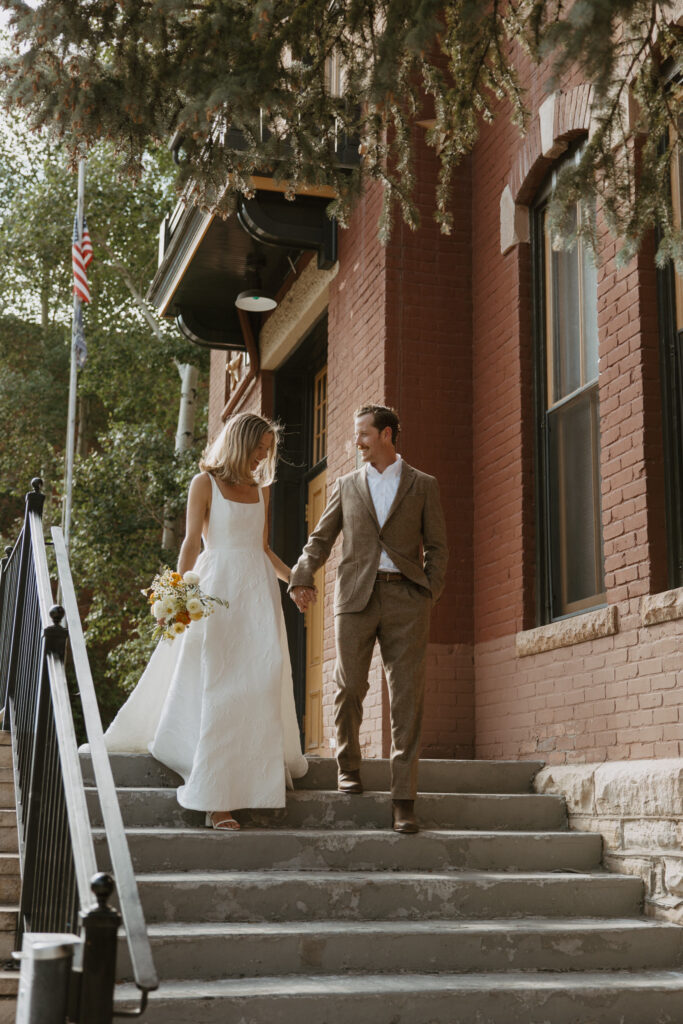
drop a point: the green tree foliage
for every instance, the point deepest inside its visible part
(34, 383)
(132, 71)
(128, 390)
(120, 494)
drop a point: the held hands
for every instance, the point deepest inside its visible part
(303, 597)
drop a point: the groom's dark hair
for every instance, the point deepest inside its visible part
(382, 416)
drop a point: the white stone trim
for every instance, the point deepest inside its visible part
(637, 807)
(550, 146)
(514, 221)
(305, 301)
(663, 607)
(566, 632)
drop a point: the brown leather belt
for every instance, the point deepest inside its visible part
(390, 577)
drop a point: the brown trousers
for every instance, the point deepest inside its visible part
(397, 615)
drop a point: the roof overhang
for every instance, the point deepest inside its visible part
(206, 261)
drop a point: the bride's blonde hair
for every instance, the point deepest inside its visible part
(229, 456)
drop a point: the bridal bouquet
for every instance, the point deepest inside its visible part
(176, 601)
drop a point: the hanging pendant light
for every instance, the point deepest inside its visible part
(255, 301)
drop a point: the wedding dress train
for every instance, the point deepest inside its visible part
(217, 704)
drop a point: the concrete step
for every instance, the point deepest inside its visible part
(435, 776)
(163, 849)
(9, 839)
(253, 950)
(321, 809)
(383, 896)
(10, 888)
(8, 917)
(9, 987)
(10, 880)
(610, 997)
(7, 793)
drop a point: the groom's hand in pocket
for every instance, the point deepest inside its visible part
(303, 596)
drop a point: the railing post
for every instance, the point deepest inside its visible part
(46, 960)
(100, 925)
(4, 720)
(3, 573)
(54, 642)
(34, 503)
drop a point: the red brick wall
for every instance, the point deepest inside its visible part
(614, 697)
(428, 378)
(356, 345)
(442, 329)
(217, 391)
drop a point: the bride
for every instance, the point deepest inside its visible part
(217, 704)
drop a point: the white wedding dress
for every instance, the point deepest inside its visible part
(217, 704)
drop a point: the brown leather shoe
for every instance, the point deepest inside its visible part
(403, 816)
(349, 782)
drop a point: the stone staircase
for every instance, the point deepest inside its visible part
(493, 914)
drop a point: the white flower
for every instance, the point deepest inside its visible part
(177, 628)
(169, 606)
(157, 610)
(194, 606)
(191, 578)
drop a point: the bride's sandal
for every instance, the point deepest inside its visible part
(224, 824)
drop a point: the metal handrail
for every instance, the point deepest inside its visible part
(56, 847)
(85, 862)
(129, 898)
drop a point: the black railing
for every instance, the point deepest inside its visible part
(57, 855)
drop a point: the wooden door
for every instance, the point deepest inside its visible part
(315, 625)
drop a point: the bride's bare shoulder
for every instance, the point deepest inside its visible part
(200, 485)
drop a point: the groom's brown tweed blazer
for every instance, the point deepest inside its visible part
(396, 614)
(415, 518)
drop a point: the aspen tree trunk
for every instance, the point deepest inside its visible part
(183, 439)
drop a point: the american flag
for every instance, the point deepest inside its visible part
(81, 258)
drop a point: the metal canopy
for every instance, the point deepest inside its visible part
(206, 262)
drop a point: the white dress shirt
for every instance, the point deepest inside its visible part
(383, 488)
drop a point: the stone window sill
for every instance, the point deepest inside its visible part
(567, 632)
(664, 607)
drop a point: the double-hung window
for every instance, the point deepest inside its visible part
(570, 558)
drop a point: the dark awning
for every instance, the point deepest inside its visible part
(205, 262)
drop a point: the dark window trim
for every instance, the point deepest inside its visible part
(671, 381)
(541, 487)
(544, 597)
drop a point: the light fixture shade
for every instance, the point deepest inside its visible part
(255, 301)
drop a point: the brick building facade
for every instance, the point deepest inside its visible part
(455, 332)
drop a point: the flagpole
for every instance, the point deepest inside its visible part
(73, 376)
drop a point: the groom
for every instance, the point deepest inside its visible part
(391, 571)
